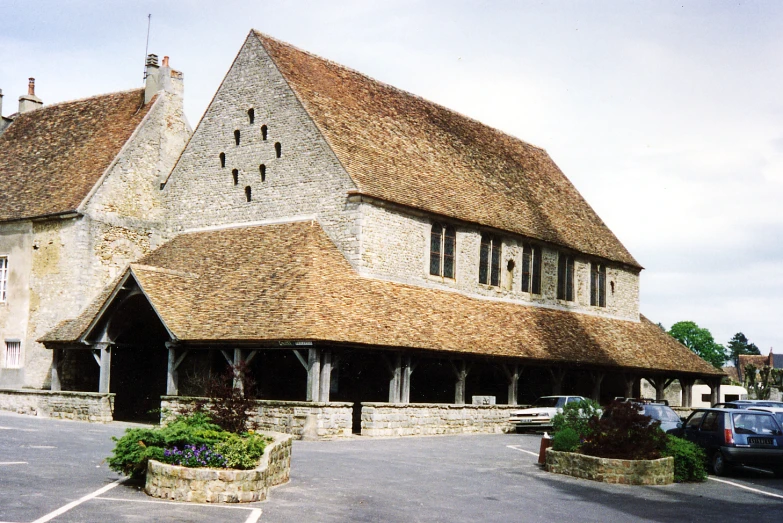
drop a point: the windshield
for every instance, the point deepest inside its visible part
(548, 402)
(661, 413)
(747, 423)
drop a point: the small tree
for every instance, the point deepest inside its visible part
(228, 404)
(700, 341)
(760, 380)
(739, 345)
(625, 433)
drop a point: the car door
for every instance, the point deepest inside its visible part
(690, 430)
(710, 436)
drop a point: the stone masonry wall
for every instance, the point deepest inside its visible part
(16, 241)
(201, 485)
(420, 419)
(395, 245)
(333, 420)
(306, 180)
(83, 406)
(622, 471)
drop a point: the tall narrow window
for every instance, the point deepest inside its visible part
(222, 159)
(251, 115)
(236, 136)
(531, 269)
(13, 354)
(263, 132)
(443, 242)
(3, 278)
(597, 285)
(248, 194)
(278, 149)
(489, 260)
(565, 277)
(262, 170)
(235, 174)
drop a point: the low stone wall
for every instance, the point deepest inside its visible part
(623, 471)
(332, 420)
(84, 406)
(418, 419)
(222, 485)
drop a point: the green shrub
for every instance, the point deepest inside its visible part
(137, 446)
(625, 433)
(576, 415)
(566, 440)
(689, 459)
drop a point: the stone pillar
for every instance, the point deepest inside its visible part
(687, 391)
(597, 378)
(326, 375)
(512, 375)
(104, 381)
(405, 387)
(313, 374)
(461, 372)
(57, 360)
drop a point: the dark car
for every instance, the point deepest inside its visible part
(746, 404)
(736, 437)
(663, 413)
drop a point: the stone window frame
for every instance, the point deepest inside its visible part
(532, 265)
(566, 275)
(3, 278)
(442, 236)
(597, 284)
(490, 251)
(12, 359)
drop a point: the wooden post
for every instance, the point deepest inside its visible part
(597, 378)
(660, 385)
(687, 391)
(714, 391)
(239, 379)
(395, 377)
(104, 381)
(512, 374)
(57, 357)
(313, 374)
(405, 388)
(172, 375)
(461, 373)
(558, 375)
(326, 375)
(629, 380)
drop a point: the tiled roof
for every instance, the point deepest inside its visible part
(52, 157)
(401, 148)
(290, 282)
(754, 359)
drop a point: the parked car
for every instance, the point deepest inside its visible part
(539, 415)
(746, 404)
(736, 437)
(776, 411)
(663, 413)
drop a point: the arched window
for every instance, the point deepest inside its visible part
(251, 115)
(262, 170)
(565, 277)
(531, 268)
(443, 243)
(598, 284)
(235, 174)
(222, 159)
(278, 149)
(236, 136)
(489, 260)
(248, 193)
(263, 132)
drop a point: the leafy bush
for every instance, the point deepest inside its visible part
(625, 433)
(137, 446)
(689, 459)
(192, 456)
(576, 415)
(566, 440)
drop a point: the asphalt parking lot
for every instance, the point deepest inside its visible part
(53, 471)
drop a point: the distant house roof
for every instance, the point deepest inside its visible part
(53, 156)
(401, 148)
(290, 282)
(754, 359)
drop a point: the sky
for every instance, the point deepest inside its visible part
(666, 116)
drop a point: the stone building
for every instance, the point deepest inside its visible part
(361, 248)
(79, 202)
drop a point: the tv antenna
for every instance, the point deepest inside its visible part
(147, 46)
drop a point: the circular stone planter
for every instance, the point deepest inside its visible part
(223, 485)
(623, 471)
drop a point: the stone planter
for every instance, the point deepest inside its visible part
(222, 485)
(622, 471)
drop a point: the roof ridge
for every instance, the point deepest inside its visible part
(153, 268)
(262, 36)
(77, 100)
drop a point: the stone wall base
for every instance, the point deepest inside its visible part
(623, 471)
(332, 420)
(222, 485)
(83, 406)
(419, 419)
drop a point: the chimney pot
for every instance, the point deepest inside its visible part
(165, 61)
(31, 87)
(152, 59)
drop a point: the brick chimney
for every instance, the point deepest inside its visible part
(161, 78)
(29, 102)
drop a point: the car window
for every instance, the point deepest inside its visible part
(694, 420)
(574, 399)
(710, 422)
(749, 423)
(561, 402)
(546, 402)
(661, 413)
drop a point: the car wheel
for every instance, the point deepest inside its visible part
(719, 465)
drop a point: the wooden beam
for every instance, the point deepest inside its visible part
(597, 378)
(313, 374)
(172, 381)
(300, 358)
(57, 357)
(104, 380)
(229, 358)
(326, 375)
(459, 386)
(97, 357)
(405, 386)
(250, 356)
(512, 375)
(558, 375)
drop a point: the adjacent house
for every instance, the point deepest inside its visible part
(358, 247)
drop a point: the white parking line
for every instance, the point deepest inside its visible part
(516, 447)
(757, 491)
(12, 463)
(253, 517)
(65, 508)
(180, 503)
